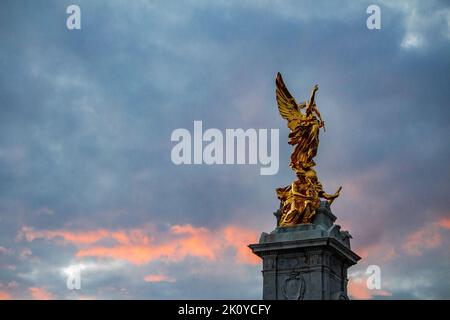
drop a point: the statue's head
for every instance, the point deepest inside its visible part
(301, 106)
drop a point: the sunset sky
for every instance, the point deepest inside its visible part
(86, 116)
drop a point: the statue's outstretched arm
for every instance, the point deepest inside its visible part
(313, 95)
(312, 105)
(330, 197)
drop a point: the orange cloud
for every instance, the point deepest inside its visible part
(357, 289)
(158, 278)
(444, 223)
(40, 294)
(197, 242)
(5, 295)
(138, 248)
(240, 238)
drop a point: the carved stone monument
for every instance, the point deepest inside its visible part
(307, 255)
(307, 261)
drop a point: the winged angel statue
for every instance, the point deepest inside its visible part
(300, 200)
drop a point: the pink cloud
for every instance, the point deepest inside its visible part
(82, 297)
(357, 289)
(5, 290)
(40, 294)
(5, 295)
(427, 238)
(430, 236)
(381, 252)
(83, 237)
(133, 253)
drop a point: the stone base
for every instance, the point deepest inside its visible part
(306, 262)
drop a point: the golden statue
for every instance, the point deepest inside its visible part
(300, 200)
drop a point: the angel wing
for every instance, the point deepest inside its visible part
(287, 105)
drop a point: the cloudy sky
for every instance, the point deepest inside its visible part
(86, 116)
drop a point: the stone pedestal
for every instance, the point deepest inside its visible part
(306, 262)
